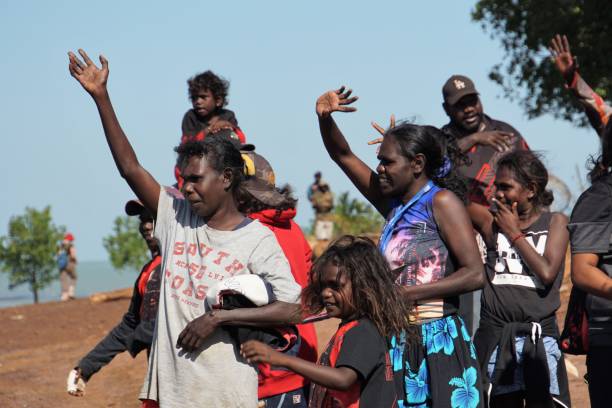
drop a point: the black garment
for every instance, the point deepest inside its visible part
(517, 294)
(358, 345)
(590, 230)
(192, 124)
(480, 173)
(598, 362)
(133, 333)
(511, 301)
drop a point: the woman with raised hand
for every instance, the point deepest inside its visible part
(204, 239)
(428, 240)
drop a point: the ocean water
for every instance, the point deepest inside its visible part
(93, 276)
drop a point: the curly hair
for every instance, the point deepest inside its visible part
(437, 149)
(219, 151)
(375, 294)
(601, 165)
(248, 204)
(530, 172)
(208, 80)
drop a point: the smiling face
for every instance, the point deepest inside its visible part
(204, 103)
(146, 228)
(336, 294)
(396, 172)
(206, 189)
(466, 113)
(508, 190)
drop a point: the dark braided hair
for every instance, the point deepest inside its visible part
(221, 154)
(375, 293)
(208, 80)
(433, 144)
(530, 172)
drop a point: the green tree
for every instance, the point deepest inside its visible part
(125, 246)
(28, 252)
(355, 217)
(525, 28)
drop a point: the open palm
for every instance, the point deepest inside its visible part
(335, 101)
(91, 78)
(562, 55)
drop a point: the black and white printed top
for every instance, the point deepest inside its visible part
(512, 292)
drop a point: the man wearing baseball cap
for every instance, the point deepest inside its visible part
(276, 208)
(135, 331)
(483, 139)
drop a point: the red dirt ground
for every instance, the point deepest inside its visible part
(39, 344)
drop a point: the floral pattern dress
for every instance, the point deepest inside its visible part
(435, 365)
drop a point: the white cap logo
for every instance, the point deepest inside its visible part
(459, 84)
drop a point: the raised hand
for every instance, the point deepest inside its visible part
(335, 101)
(562, 56)
(91, 78)
(382, 131)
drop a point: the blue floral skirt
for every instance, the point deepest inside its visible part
(436, 366)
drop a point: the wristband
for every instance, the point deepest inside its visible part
(519, 236)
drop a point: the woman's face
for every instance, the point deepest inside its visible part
(205, 188)
(395, 171)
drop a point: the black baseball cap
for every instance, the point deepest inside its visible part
(456, 87)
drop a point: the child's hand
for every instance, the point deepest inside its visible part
(335, 101)
(254, 351)
(91, 78)
(507, 220)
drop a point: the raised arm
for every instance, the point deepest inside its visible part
(596, 109)
(546, 266)
(456, 231)
(363, 177)
(93, 80)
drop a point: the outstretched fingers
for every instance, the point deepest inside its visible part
(103, 62)
(378, 128)
(85, 57)
(566, 45)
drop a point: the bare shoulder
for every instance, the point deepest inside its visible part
(559, 219)
(446, 200)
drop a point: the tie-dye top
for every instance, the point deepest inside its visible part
(418, 250)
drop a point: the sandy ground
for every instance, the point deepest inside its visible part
(39, 344)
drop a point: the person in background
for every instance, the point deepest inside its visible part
(208, 93)
(480, 137)
(597, 110)
(322, 200)
(135, 331)
(276, 208)
(67, 261)
(314, 186)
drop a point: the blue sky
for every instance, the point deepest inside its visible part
(279, 56)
